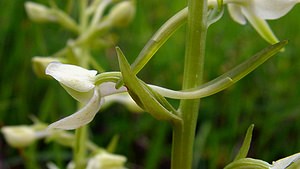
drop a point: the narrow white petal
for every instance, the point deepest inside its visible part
(72, 76)
(81, 117)
(285, 162)
(272, 9)
(235, 11)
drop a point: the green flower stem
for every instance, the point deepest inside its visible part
(99, 12)
(80, 147)
(81, 137)
(184, 133)
(83, 16)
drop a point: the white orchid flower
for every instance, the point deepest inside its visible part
(257, 12)
(80, 84)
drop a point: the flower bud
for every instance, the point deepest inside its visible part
(19, 136)
(39, 65)
(39, 13)
(107, 161)
(122, 14)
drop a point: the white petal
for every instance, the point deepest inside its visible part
(235, 11)
(72, 76)
(285, 162)
(272, 9)
(81, 117)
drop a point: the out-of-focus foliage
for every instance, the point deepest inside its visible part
(268, 97)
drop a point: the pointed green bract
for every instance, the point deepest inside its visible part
(246, 144)
(142, 94)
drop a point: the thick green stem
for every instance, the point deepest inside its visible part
(184, 133)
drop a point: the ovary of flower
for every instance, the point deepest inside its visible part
(257, 12)
(80, 84)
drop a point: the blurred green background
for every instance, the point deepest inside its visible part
(268, 97)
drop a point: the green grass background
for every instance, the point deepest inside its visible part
(268, 97)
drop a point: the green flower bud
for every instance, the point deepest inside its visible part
(122, 14)
(39, 13)
(19, 136)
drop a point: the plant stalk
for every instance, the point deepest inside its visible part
(184, 133)
(80, 147)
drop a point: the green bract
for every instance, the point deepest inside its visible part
(144, 96)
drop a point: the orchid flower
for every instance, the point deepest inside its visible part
(84, 86)
(80, 84)
(257, 12)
